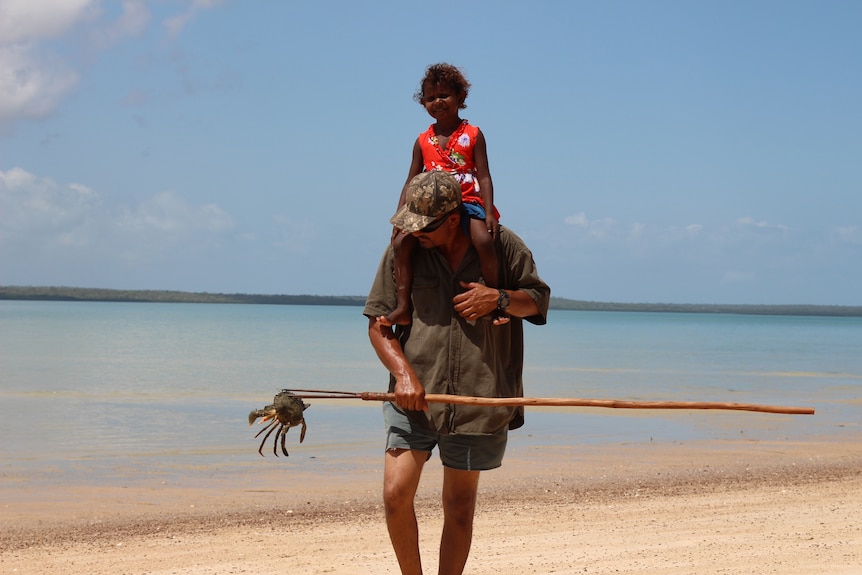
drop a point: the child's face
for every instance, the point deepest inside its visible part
(440, 101)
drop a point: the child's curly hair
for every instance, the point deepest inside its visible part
(445, 75)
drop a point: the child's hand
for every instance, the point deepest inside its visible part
(492, 224)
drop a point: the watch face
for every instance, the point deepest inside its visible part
(503, 302)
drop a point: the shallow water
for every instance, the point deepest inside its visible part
(94, 392)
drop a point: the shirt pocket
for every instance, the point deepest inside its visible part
(428, 300)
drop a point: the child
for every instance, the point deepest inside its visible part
(453, 145)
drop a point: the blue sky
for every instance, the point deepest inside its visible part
(663, 151)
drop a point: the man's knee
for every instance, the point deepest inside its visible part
(461, 499)
(399, 482)
(460, 504)
(395, 496)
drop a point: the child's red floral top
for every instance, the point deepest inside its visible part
(456, 158)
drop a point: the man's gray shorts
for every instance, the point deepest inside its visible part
(465, 452)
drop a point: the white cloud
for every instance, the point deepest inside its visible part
(168, 213)
(748, 221)
(40, 214)
(34, 78)
(579, 219)
(132, 22)
(682, 233)
(176, 24)
(637, 230)
(600, 228)
(848, 234)
(33, 81)
(37, 210)
(31, 85)
(24, 21)
(647, 237)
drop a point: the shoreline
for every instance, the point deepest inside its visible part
(684, 508)
(107, 295)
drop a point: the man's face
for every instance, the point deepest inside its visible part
(433, 234)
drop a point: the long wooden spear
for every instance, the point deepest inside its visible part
(554, 401)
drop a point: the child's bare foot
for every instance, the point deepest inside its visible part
(397, 317)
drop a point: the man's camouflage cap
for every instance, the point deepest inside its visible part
(429, 196)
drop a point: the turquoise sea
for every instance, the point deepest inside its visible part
(97, 392)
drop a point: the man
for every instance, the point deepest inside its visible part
(451, 347)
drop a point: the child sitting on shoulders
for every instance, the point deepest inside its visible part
(453, 145)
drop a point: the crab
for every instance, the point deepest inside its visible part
(285, 411)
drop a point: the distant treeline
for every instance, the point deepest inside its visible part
(744, 309)
(96, 294)
(163, 296)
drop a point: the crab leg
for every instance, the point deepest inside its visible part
(262, 429)
(265, 437)
(278, 433)
(283, 448)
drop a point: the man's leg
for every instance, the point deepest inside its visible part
(401, 474)
(459, 506)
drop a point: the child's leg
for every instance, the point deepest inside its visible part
(484, 244)
(403, 245)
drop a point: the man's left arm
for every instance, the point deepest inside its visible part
(480, 300)
(528, 295)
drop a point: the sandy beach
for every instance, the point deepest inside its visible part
(733, 507)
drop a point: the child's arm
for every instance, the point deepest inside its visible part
(416, 166)
(486, 186)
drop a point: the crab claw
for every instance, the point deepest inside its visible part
(252, 417)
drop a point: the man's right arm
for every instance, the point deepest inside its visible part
(409, 392)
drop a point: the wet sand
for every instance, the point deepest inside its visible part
(729, 507)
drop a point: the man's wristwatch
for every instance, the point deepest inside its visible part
(503, 301)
